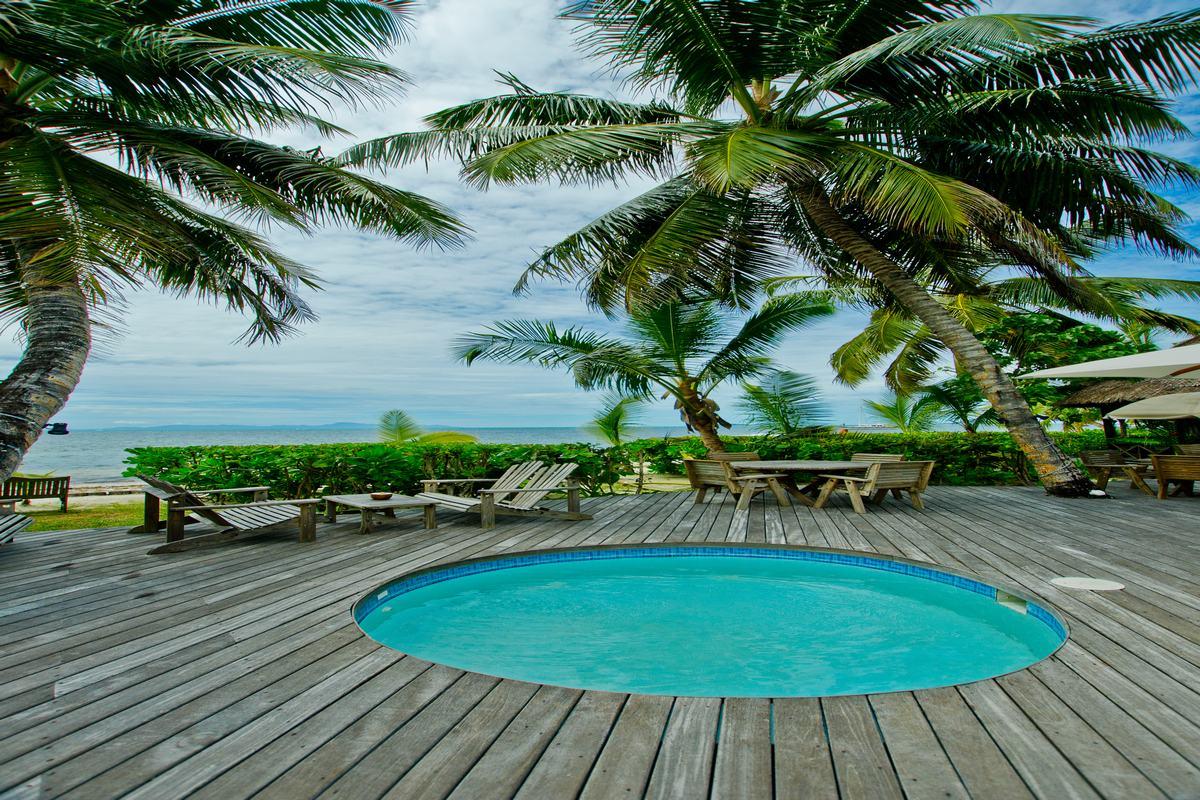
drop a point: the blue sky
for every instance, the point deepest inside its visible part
(388, 313)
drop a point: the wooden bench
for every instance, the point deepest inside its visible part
(11, 525)
(717, 474)
(22, 490)
(881, 477)
(1183, 470)
(1101, 464)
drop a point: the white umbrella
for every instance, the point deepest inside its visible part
(1165, 406)
(1156, 364)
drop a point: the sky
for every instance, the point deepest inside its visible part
(389, 313)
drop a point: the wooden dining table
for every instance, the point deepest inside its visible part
(790, 468)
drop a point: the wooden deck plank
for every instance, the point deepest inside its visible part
(744, 767)
(568, 759)
(236, 672)
(685, 759)
(860, 759)
(803, 763)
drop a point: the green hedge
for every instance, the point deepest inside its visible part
(311, 469)
(307, 470)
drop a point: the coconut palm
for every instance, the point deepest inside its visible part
(909, 352)
(682, 351)
(397, 427)
(876, 140)
(616, 418)
(905, 412)
(958, 401)
(128, 160)
(783, 404)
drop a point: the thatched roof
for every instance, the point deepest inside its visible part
(1119, 392)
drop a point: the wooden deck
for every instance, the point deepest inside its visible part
(237, 672)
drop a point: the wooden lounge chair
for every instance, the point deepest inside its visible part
(11, 525)
(881, 477)
(516, 493)
(1188, 449)
(22, 490)
(1183, 470)
(717, 474)
(234, 520)
(732, 456)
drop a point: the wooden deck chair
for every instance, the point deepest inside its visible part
(706, 473)
(1188, 449)
(11, 525)
(512, 477)
(520, 499)
(1183, 470)
(880, 458)
(881, 477)
(234, 520)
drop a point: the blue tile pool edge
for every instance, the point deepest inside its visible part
(437, 574)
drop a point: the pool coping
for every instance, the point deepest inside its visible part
(1037, 608)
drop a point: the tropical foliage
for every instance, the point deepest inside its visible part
(784, 404)
(131, 157)
(986, 458)
(958, 401)
(904, 412)
(911, 145)
(679, 350)
(397, 427)
(908, 353)
(616, 419)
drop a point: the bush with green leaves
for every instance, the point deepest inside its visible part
(306, 470)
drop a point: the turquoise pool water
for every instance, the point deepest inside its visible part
(711, 624)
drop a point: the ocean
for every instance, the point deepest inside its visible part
(98, 455)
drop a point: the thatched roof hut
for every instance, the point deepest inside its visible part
(1111, 394)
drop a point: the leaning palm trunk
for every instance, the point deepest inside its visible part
(58, 340)
(1057, 471)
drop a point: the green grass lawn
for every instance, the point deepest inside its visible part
(106, 516)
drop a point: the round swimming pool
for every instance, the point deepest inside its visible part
(744, 621)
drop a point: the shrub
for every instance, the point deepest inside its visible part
(306, 470)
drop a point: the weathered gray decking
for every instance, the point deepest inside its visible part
(237, 672)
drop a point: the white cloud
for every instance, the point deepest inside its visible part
(389, 314)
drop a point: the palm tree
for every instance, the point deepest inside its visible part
(126, 132)
(397, 427)
(910, 352)
(682, 350)
(906, 413)
(865, 139)
(785, 403)
(615, 420)
(958, 401)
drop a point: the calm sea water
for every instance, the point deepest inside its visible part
(93, 456)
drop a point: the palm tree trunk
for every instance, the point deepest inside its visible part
(708, 433)
(1057, 472)
(58, 340)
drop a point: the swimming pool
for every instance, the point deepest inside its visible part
(717, 620)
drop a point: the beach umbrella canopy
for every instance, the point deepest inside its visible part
(1156, 364)
(1167, 406)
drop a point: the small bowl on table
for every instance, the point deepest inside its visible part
(380, 495)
